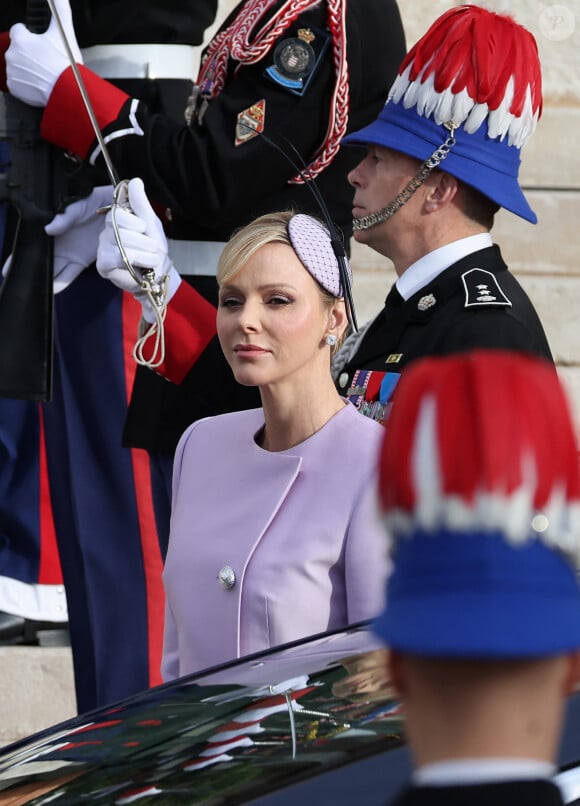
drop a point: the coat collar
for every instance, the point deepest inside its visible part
(397, 314)
(425, 270)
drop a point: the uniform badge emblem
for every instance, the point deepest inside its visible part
(296, 58)
(426, 302)
(484, 294)
(250, 122)
(482, 288)
(393, 358)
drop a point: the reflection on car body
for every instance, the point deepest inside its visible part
(226, 736)
(280, 724)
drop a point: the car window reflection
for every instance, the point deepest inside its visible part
(221, 742)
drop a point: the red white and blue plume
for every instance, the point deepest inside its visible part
(483, 443)
(479, 71)
(474, 67)
(479, 486)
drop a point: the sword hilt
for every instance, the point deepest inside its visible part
(145, 277)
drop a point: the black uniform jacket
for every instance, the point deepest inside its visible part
(213, 186)
(508, 793)
(476, 303)
(99, 22)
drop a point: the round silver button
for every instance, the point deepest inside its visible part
(343, 379)
(227, 577)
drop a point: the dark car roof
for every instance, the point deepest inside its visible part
(314, 722)
(268, 728)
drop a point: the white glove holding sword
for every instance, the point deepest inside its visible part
(143, 240)
(131, 251)
(82, 235)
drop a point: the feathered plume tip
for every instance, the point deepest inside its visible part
(482, 442)
(472, 66)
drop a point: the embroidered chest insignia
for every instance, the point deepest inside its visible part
(426, 302)
(296, 59)
(250, 122)
(482, 289)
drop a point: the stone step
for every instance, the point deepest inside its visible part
(36, 689)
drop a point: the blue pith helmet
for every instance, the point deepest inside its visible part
(478, 73)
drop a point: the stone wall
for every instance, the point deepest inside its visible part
(544, 257)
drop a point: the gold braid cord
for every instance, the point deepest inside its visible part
(234, 42)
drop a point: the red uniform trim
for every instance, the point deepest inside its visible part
(66, 122)
(189, 327)
(4, 45)
(49, 570)
(152, 562)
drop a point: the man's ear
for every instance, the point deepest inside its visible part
(441, 190)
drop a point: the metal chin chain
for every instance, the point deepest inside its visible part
(154, 289)
(368, 221)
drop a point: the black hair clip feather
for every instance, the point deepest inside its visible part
(336, 237)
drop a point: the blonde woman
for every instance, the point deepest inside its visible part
(274, 533)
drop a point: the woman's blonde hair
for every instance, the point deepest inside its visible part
(245, 242)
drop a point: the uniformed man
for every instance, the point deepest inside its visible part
(479, 486)
(442, 158)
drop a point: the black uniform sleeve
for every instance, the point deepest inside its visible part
(494, 330)
(199, 172)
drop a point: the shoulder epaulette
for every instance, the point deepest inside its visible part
(482, 289)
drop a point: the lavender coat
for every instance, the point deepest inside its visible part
(298, 528)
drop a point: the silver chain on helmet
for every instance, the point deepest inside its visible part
(368, 221)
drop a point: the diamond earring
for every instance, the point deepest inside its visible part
(331, 340)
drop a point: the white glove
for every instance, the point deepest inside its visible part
(76, 235)
(35, 61)
(145, 245)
